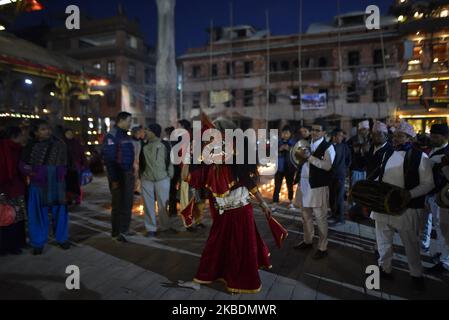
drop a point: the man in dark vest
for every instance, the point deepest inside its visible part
(439, 134)
(315, 178)
(379, 136)
(410, 169)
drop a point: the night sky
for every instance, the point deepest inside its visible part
(193, 17)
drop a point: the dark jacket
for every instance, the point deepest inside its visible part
(374, 161)
(342, 160)
(118, 153)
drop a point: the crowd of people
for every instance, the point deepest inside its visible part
(40, 176)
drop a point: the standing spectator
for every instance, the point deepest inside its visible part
(44, 160)
(157, 170)
(118, 153)
(12, 189)
(304, 133)
(380, 147)
(137, 134)
(175, 181)
(76, 163)
(439, 135)
(315, 179)
(360, 146)
(340, 168)
(285, 167)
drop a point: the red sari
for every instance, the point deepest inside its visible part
(234, 251)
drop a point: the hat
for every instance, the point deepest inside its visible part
(155, 128)
(406, 128)
(364, 125)
(440, 128)
(380, 127)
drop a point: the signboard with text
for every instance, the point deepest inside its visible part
(313, 101)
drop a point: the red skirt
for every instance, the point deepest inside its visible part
(234, 252)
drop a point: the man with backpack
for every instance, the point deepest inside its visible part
(156, 170)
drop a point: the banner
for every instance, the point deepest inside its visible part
(313, 101)
(219, 97)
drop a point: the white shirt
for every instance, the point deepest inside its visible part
(378, 148)
(317, 197)
(437, 159)
(394, 174)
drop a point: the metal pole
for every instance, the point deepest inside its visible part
(300, 62)
(210, 61)
(268, 69)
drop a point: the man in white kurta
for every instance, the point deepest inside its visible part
(406, 224)
(315, 201)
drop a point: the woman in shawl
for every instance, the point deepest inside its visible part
(44, 160)
(12, 190)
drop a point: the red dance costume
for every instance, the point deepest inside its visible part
(234, 251)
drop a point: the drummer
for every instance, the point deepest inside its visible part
(418, 180)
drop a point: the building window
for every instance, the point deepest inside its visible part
(295, 98)
(132, 71)
(96, 65)
(248, 100)
(296, 63)
(272, 98)
(285, 65)
(111, 98)
(414, 92)
(249, 67)
(148, 101)
(132, 100)
(353, 58)
(230, 68)
(132, 42)
(325, 91)
(379, 92)
(439, 89)
(147, 76)
(378, 59)
(322, 62)
(352, 96)
(214, 70)
(196, 71)
(111, 68)
(231, 103)
(196, 100)
(439, 53)
(273, 66)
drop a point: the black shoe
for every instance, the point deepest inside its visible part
(385, 275)
(121, 238)
(191, 229)
(16, 252)
(151, 234)
(418, 283)
(303, 246)
(437, 269)
(129, 233)
(37, 251)
(65, 246)
(436, 258)
(201, 226)
(320, 255)
(336, 224)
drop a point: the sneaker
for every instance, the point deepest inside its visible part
(274, 206)
(151, 234)
(291, 206)
(303, 246)
(65, 245)
(37, 251)
(386, 275)
(320, 255)
(437, 269)
(418, 283)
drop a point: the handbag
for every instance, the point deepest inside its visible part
(7, 213)
(86, 177)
